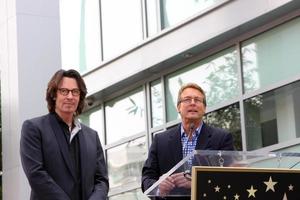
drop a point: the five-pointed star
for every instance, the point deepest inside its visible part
(251, 191)
(270, 185)
(291, 187)
(217, 189)
(285, 197)
(236, 197)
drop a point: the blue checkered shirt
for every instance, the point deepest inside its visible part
(188, 146)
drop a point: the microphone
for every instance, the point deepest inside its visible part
(192, 126)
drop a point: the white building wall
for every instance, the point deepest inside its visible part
(174, 41)
(29, 55)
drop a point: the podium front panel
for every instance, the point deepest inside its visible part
(245, 183)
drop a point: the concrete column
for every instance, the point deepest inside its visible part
(29, 55)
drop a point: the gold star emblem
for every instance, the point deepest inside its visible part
(291, 187)
(217, 189)
(236, 197)
(270, 184)
(251, 191)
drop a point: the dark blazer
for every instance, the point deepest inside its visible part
(45, 160)
(166, 150)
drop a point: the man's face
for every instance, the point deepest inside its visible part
(67, 97)
(191, 106)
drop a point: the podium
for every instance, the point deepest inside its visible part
(235, 175)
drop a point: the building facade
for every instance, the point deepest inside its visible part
(135, 55)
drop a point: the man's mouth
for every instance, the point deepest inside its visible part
(69, 104)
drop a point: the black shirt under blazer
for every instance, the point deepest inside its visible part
(166, 150)
(47, 164)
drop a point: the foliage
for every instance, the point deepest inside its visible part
(228, 119)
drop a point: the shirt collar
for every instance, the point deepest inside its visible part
(75, 130)
(197, 130)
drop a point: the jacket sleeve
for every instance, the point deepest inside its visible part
(31, 152)
(150, 171)
(101, 178)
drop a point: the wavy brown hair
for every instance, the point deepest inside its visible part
(194, 86)
(53, 86)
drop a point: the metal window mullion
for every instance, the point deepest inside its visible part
(144, 19)
(148, 114)
(241, 92)
(104, 130)
(101, 32)
(158, 15)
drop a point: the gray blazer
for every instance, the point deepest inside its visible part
(45, 160)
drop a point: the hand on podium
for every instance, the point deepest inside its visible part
(177, 180)
(181, 180)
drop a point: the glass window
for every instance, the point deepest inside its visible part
(156, 103)
(152, 25)
(174, 11)
(80, 34)
(274, 53)
(125, 162)
(130, 195)
(273, 117)
(94, 119)
(217, 75)
(122, 25)
(125, 116)
(227, 118)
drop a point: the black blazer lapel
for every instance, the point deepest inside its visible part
(204, 138)
(61, 140)
(175, 145)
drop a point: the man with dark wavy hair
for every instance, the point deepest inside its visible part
(62, 158)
